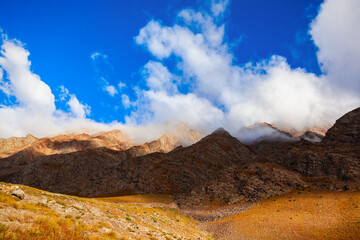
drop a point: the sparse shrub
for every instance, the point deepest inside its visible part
(154, 219)
(8, 200)
(128, 218)
(112, 234)
(3, 228)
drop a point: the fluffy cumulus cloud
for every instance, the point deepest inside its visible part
(29, 90)
(76, 109)
(34, 110)
(125, 100)
(224, 94)
(336, 33)
(110, 89)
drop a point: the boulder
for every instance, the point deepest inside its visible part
(19, 194)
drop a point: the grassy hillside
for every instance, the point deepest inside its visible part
(44, 215)
(299, 215)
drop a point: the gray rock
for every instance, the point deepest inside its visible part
(18, 193)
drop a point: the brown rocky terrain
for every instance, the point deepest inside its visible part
(17, 152)
(346, 129)
(333, 163)
(115, 140)
(312, 136)
(217, 168)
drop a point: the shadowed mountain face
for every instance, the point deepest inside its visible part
(218, 167)
(346, 129)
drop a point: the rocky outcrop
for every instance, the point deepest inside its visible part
(263, 132)
(312, 136)
(333, 163)
(14, 144)
(319, 161)
(346, 129)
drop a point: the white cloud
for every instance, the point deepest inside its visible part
(30, 115)
(35, 111)
(77, 109)
(336, 33)
(125, 101)
(97, 55)
(158, 106)
(159, 78)
(26, 86)
(4, 85)
(111, 90)
(218, 7)
(64, 93)
(199, 113)
(269, 90)
(121, 85)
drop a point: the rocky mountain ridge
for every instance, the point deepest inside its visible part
(217, 168)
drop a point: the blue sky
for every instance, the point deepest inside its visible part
(88, 48)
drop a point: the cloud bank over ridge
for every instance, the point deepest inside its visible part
(206, 90)
(269, 90)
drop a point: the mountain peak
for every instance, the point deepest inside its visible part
(220, 131)
(346, 129)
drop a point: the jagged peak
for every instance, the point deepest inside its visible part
(346, 129)
(221, 131)
(30, 136)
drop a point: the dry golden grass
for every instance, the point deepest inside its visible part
(145, 198)
(49, 227)
(301, 215)
(7, 200)
(43, 215)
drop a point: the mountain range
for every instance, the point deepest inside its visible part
(218, 167)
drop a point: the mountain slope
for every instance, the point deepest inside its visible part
(217, 168)
(44, 215)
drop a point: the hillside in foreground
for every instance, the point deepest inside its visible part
(45, 215)
(302, 214)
